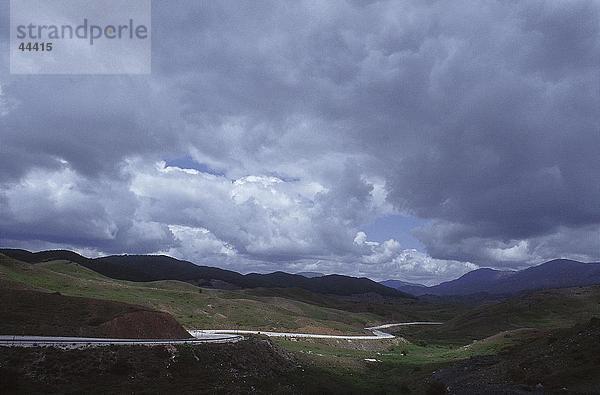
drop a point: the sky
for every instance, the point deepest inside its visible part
(414, 140)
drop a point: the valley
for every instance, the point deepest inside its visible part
(328, 341)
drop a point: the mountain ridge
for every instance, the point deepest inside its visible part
(556, 273)
(310, 274)
(145, 268)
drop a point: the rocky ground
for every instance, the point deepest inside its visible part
(560, 361)
(253, 365)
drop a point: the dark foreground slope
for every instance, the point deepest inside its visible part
(160, 267)
(559, 361)
(24, 312)
(248, 366)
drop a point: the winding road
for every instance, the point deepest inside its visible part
(199, 337)
(377, 333)
(76, 342)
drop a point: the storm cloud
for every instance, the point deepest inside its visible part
(270, 134)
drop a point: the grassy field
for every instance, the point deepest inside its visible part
(564, 360)
(398, 367)
(191, 306)
(406, 364)
(390, 309)
(547, 309)
(401, 365)
(303, 311)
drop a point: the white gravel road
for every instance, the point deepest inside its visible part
(377, 334)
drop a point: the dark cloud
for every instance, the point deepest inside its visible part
(317, 118)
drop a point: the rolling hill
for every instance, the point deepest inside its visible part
(294, 309)
(27, 312)
(542, 309)
(144, 268)
(193, 307)
(558, 273)
(564, 360)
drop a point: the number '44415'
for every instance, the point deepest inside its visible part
(43, 47)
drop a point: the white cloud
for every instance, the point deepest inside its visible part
(318, 129)
(245, 224)
(388, 260)
(360, 239)
(518, 252)
(197, 243)
(61, 205)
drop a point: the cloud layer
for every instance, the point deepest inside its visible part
(301, 123)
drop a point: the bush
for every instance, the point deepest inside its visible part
(120, 367)
(436, 388)
(9, 381)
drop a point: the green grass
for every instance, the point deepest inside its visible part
(406, 367)
(407, 353)
(547, 309)
(191, 306)
(401, 367)
(333, 365)
(391, 309)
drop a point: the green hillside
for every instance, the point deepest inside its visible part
(192, 306)
(327, 365)
(27, 312)
(547, 309)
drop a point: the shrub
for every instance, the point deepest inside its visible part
(436, 388)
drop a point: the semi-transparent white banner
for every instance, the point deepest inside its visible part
(80, 36)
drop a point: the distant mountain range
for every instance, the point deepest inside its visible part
(311, 274)
(558, 273)
(410, 288)
(159, 267)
